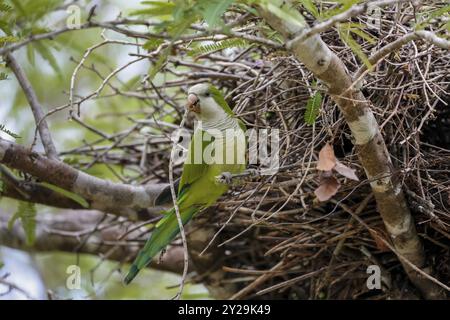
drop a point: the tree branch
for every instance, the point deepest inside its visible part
(344, 16)
(112, 25)
(103, 195)
(370, 145)
(397, 44)
(36, 107)
(81, 232)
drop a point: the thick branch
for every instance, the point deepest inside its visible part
(397, 44)
(103, 195)
(344, 16)
(370, 145)
(36, 107)
(34, 192)
(68, 232)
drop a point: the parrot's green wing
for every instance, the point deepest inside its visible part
(191, 169)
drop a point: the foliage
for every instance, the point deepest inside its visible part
(313, 108)
(80, 200)
(426, 17)
(220, 45)
(177, 18)
(27, 18)
(8, 132)
(26, 212)
(345, 31)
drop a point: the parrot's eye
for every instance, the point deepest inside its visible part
(207, 94)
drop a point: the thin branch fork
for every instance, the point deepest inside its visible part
(104, 195)
(344, 16)
(36, 107)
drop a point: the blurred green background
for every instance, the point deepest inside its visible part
(49, 66)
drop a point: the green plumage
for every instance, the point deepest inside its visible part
(198, 187)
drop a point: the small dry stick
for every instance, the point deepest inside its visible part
(177, 210)
(36, 107)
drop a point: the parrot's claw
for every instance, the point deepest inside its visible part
(224, 178)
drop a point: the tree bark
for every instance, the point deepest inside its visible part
(118, 198)
(369, 143)
(66, 232)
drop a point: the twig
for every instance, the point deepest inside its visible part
(177, 212)
(12, 286)
(36, 107)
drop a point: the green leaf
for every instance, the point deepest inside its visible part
(80, 200)
(4, 7)
(3, 76)
(212, 10)
(152, 44)
(9, 133)
(217, 46)
(344, 33)
(345, 5)
(313, 108)
(364, 35)
(157, 8)
(26, 211)
(285, 13)
(7, 39)
(310, 6)
(47, 55)
(30, 54)
(30, 11)
(159, 63)
(5, 26)
(12, 220)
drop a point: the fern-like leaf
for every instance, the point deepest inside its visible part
(9, 133)
(157, 8)
(313, 108)
(217, 46)
(26, 212)
(7, 39)
(4, 7)
(344, 33)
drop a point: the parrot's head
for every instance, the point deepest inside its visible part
(207, 102)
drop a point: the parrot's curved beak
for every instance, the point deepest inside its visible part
(193, 103)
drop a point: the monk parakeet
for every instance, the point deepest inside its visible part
(218, 146)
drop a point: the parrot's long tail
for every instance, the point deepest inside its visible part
(166, 230)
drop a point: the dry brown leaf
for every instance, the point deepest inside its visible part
(345, 171)
(327, 159)
(329, 186)
(377, 235)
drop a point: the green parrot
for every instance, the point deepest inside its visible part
(218, 145)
